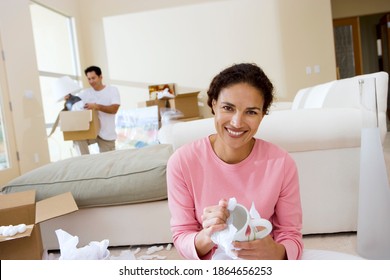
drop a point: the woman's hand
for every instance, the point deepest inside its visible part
(213, 219)
(260, 249)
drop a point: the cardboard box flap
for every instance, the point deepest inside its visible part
(55, 206)
(75, 120)
(186, 95)
(17, 199)
(27, 233)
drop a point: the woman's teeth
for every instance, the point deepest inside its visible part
(235, 133)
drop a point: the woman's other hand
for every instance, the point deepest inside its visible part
(213, 219)
(260, 249)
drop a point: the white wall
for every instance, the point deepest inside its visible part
(188, 45)
(188, 42)
(349, 8)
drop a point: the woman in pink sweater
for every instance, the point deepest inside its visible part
(202, 175)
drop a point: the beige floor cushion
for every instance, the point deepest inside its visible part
(111, 178)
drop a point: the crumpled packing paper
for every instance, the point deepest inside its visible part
(69, 251)
(78, 106)
(224, 238)
(164, 94)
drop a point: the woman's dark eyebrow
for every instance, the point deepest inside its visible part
(229, 104)
(249, 108)
(254, 108)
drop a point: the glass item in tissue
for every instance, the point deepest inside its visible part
(247, 227)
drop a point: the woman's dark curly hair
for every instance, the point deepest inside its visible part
(248, 73)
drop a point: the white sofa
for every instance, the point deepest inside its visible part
(320, 129)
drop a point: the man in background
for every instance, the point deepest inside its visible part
(106, 100)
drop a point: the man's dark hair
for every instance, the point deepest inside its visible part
(248, 73)
(93, 68)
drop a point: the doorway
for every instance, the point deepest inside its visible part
(348, 47)
(362, 46)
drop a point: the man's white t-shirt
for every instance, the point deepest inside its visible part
(107, 96)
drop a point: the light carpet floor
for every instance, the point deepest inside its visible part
(338, 242)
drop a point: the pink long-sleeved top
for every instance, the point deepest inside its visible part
(197, 178)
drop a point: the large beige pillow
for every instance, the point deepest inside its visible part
(111, 178)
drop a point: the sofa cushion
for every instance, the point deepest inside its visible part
(346, 94)
(300, 99)
(111, 178)
(343, 93)
(312, 97)
(318, 95)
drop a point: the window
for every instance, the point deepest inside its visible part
(9, 167)
(57, 56)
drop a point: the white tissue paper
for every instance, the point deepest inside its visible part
(78, 106)
(224, 238)
(12, 230)
(69, 251)
(164, 94)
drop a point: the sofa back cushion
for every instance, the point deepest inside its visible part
(318, 95)
(346, 93)
(312, 97)
(300, 99)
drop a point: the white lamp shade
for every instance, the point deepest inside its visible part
(64, 86)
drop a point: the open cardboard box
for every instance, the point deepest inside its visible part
(79, 125)
(185, 103)
(21, 208)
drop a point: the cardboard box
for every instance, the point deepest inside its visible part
(79, 125)
(160, 103)
(21, 208)
(186, 103)
(155, 89)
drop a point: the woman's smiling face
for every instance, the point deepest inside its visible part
(238, 114)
